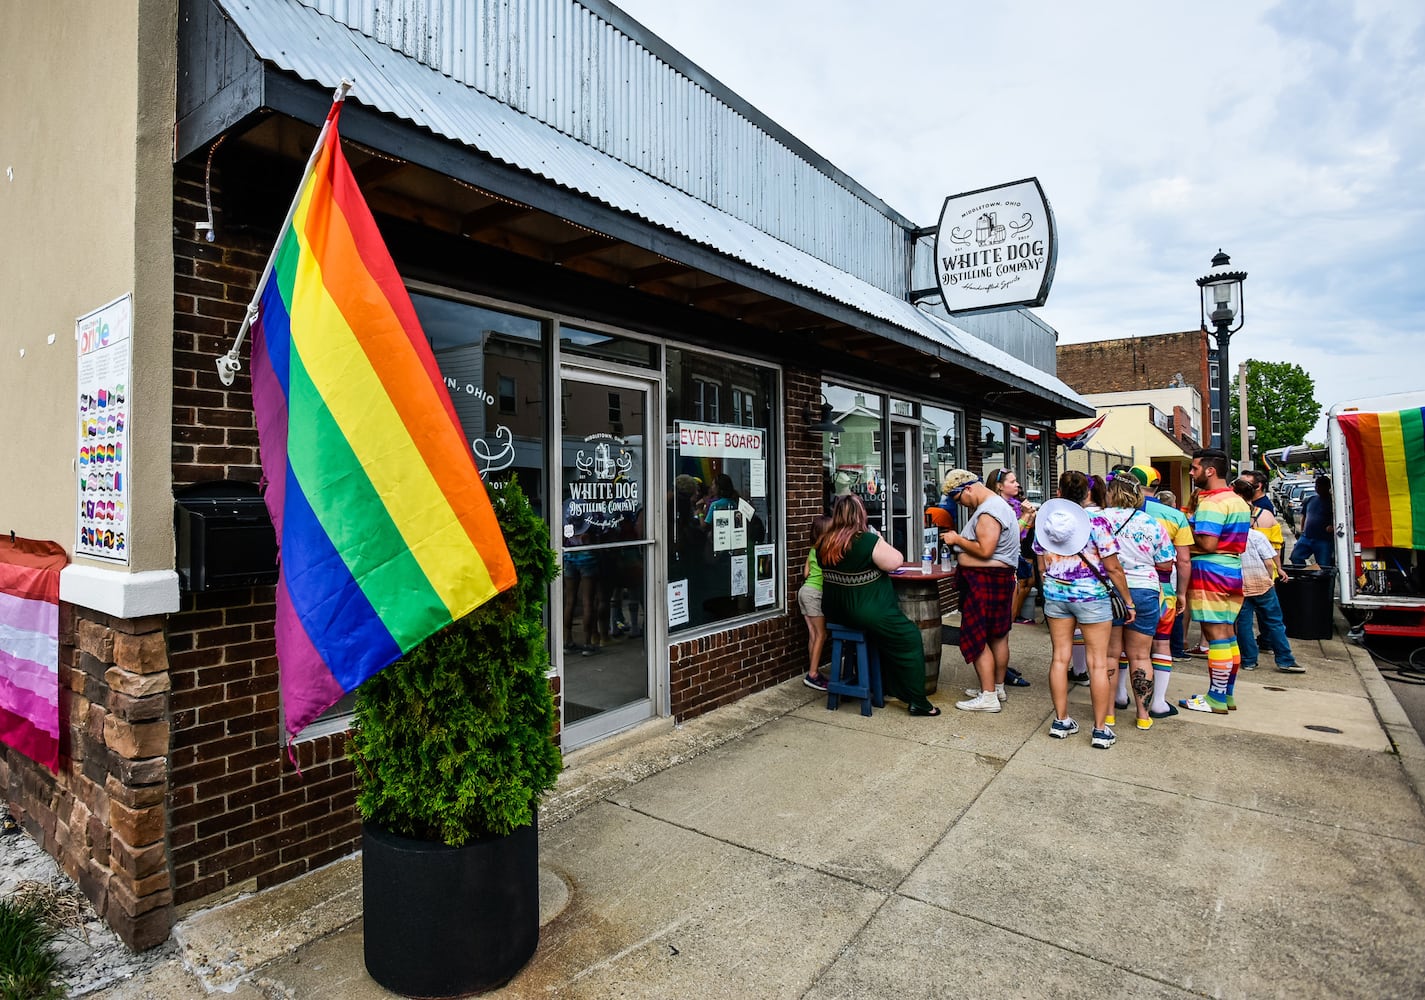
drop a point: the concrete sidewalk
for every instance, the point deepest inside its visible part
(776, 849)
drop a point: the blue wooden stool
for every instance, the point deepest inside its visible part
(864, 669)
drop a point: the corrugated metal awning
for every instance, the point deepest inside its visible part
(306, 43)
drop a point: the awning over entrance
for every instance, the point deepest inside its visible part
(227, 63)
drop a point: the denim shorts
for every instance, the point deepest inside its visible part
(1084, 612)
(1145, 602)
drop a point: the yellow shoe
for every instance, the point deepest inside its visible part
(1108, 720)
(1144, 723)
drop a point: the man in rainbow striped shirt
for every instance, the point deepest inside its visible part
(1219, 526)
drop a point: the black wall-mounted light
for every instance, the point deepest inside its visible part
(825, 425)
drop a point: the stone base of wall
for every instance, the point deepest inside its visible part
(103, 817)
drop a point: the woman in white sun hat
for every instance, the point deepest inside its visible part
(1078, 561)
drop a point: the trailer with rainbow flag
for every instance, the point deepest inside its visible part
(1377, 452)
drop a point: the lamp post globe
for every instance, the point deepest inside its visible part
(1221, 300)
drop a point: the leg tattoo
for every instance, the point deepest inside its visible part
(1142, 684)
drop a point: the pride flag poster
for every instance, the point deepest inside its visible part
(29, 647)
(385, 532)
(1387, 456)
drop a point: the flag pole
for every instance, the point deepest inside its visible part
(229, 364)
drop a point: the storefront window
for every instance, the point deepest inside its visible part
(941, 449)
(853, 461)
(607, 346)
(724, 510)
(1032, 478)
(994, 445)
(493, 364)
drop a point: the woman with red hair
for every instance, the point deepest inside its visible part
(858, 593)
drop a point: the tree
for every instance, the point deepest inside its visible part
(1281, 403)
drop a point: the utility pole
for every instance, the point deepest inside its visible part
(1246, 462)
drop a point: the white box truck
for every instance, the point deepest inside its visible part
(1376, 453)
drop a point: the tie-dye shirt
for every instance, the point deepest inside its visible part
(1175, 522)
(1142, 543)
(1066, 578)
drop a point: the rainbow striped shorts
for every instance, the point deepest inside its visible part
(1216, 589)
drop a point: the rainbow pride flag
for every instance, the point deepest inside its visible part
(29, 648)
(385, 533)
(1387, 455)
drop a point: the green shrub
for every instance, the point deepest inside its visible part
(29, 970)
(454, 741)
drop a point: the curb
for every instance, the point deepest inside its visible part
(1398, 729)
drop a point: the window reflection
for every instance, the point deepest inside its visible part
(994, 446)
(607, 346)
(854, 460)
(493, 366)
(941, 449)
(1031, 477)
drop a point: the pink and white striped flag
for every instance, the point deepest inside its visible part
(29, 647)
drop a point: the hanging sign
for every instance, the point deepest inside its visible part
(996, 248)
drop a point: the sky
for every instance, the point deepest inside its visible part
(1291, 135)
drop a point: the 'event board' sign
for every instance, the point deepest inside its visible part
(996, 247)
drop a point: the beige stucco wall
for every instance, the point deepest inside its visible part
(1164, 399)
(86, 121)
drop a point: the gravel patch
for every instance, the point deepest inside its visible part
(93, 956)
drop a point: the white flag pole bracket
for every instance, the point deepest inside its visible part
(229, 364)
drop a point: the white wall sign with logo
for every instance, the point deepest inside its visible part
(606, 496)
(719, 441)
(105, 342)
(996, 248)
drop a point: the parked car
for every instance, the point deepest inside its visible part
(1295, 496)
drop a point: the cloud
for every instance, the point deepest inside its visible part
(1290, 134)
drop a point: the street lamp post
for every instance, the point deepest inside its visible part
(1221, 300)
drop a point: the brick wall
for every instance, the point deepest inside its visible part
(241, 817)
(1149, 362)
(102, 816)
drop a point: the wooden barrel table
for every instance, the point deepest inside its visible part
(918, 595)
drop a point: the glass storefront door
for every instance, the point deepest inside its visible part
(906, 510)
(608, 550)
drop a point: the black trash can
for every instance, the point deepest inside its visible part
(1307, 599)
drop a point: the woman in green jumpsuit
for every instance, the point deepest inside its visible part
(858, 593)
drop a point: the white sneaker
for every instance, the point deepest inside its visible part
(985, 701)
(999, 692)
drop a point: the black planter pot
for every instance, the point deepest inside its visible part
(449, 921)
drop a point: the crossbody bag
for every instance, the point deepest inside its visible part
(1115, 599)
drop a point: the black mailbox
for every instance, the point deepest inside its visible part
(225, 538)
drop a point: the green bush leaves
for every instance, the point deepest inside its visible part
(29, 969)
(454, 742)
